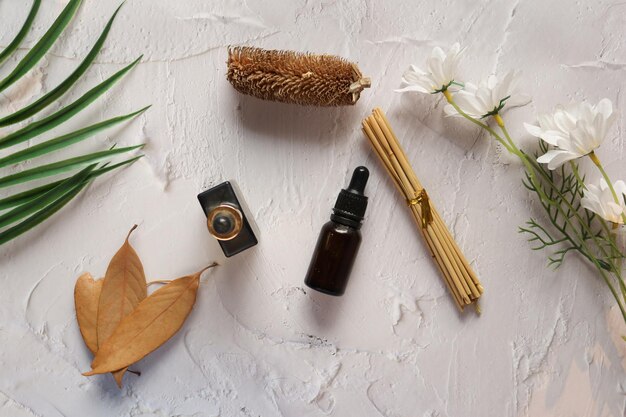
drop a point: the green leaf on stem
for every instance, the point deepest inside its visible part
(47, 198)
(65, 140)
(41, 47)
(12, 47)
(41, 215)
(34, 193)
(61, 166)
(36, 128)
(62, 88)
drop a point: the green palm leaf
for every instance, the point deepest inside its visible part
(36, 128)
(61, 166)
(22, 33)
(65, 140)
(41, 215)
(62, 88)
(34, 193)
(45, 199)
(41, 47)
(35, 205)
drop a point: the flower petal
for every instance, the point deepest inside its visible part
(518, 100)
(576, 128)
(450, 111)
(605, 107)
(469, 103)
(555, 158)
(442, 66)
(600, 200)
(412, 89)
(533, 130)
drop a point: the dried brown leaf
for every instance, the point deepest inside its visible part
(119, 375)
(155, 320)
(86, 296)
(123, 288)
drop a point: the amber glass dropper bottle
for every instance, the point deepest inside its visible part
(339, 239)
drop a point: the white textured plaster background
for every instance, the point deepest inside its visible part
(259, 343)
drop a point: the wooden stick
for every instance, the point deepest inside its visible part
(435, 255)
(454, 287)
(459, 277)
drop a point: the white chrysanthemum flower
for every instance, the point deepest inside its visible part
(600, 200)
(489, 97)
(575, 130)
(442, 68)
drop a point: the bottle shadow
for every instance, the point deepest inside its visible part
(322, 308)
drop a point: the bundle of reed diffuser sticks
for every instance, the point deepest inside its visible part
(459, 276)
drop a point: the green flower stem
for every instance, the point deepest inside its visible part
(532, 168)
(573, 210)
(615, 249)
(617, 254)
(523, 157)
(577, 174)
(585, 250)
(532, 165)
(500, 123)
(512, 148)
(597, 163)
(612, 289)
(528, 163)
(601, 221)
(582, 246)
(450, 100)
(509, 147)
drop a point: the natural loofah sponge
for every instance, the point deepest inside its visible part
(293, 77)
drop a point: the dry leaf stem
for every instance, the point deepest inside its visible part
(159, 281)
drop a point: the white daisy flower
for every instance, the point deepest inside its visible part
(600, 200)
(442, 69)
(575, 130)
(489, 97)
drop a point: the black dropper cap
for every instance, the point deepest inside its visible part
(351, 202)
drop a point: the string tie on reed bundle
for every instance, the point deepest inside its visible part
(422, 199)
